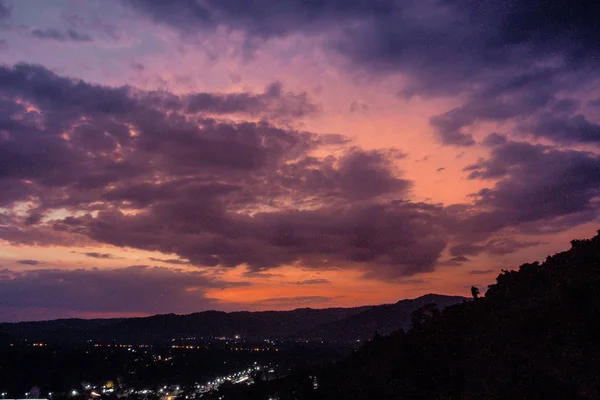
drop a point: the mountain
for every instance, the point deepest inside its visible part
(383, 319)
(533, 336)
(330, 324)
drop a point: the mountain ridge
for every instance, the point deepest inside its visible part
(251, 325)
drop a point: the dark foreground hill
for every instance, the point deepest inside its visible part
(331, 324)
(535, 335)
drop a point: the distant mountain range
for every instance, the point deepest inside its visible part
(330, 324)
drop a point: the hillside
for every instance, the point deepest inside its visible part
(383, 319)
(533, 336)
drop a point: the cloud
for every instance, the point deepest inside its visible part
(223, 193)
(564, 128)
(213, 191)
(28, 262)
(520, 63)
(454, 261)
(265, 275)
(287, 302)
(481, 271)
(535, 183)
(100, 255)
(393, 240)
(358, 107)
(137, 66)
(408, 36)
(173, 261)
(61, 36)
(496, 246)
(139, 289)
(274, 102)
(311, 282)
(5, 11)
(261, 19)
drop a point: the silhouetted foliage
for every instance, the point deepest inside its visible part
(422, 314)
(475, 292)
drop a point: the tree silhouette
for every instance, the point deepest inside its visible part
(422, 314)
(475, 292)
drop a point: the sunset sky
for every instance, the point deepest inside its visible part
(177, 156)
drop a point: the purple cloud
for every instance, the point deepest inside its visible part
(5, 11)
(136, 169)
(28, 262)
(105, 256)
(61, 36)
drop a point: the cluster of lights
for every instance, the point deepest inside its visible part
(238, 377)
(253, 349)
(114, 345)
(176, 346)
(243, 376)
(236, 337)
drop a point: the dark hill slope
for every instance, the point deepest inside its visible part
(535, 335)
(383, 319)
(249, 325)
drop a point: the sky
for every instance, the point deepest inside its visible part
(178, 156)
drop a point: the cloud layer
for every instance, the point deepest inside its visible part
(256, 180)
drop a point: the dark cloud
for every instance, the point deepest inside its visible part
(61, 36)
(213, 191)
(28, 262)
(5, 11)
(570, 128)
(133, 289)
(173, 261)
(137, 66)
(466, 249)
(258, 274)
(534, 183)
(450, 39)
(311, 282)
(36, 151)
(496, 246)
(274, 102)
(507, 60)
(261, 18)
(454, 261)
(481, 271)
(516, 96)
(358, 107)
(100, 255)
(392, 240)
